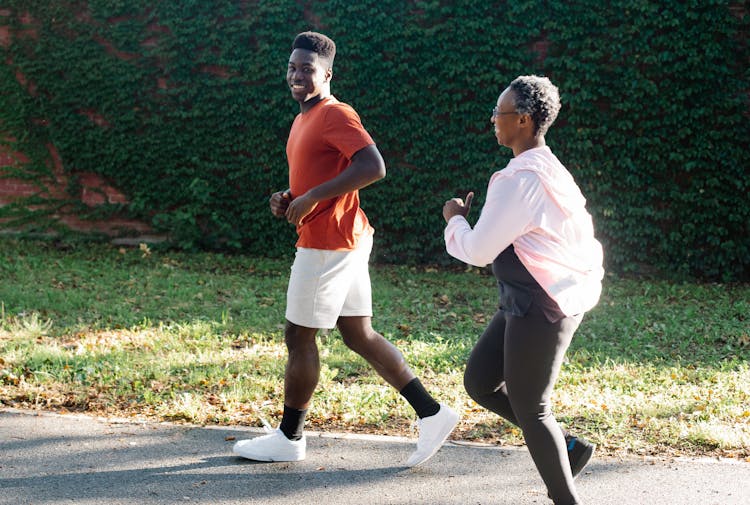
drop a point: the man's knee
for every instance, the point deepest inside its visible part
(356, 332)
(297, 337)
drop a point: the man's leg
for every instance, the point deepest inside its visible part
(300, 378)
(302, 366)
(287, 442)
(436, 421)
(385, 358)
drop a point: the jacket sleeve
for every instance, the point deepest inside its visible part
(508, 213)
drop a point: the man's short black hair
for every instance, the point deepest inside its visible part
(317, 43)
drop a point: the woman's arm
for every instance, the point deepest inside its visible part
(507, 214)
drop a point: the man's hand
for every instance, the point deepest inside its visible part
(299, 208)
(457, 207)
(279, 202)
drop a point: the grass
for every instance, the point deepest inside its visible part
(655, 368)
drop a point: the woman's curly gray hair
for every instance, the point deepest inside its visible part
(537, 97)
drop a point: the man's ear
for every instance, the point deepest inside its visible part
(524, 121)
(329, 74)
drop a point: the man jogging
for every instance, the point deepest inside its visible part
(331, 156)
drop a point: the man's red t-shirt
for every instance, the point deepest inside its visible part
(321, 144)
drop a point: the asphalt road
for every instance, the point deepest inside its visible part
(73, 459)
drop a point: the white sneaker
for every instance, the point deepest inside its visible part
(433, 431)
(272, 447)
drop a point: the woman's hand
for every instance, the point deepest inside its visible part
(457, 207)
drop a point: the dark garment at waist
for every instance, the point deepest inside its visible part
(519, 291)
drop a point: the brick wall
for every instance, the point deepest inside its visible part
(94, 189)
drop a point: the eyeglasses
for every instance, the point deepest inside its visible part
(496, 112)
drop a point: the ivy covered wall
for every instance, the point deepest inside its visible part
(182, 106)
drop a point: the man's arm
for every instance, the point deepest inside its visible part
(367, 166)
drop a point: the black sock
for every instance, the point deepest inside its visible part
(292, 423)
(420, 400)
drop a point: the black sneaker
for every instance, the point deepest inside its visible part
(579, 453)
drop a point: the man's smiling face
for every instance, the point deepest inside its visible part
(307, 75)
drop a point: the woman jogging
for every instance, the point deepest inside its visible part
(535, 231)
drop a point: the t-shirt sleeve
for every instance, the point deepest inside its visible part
(344, 130)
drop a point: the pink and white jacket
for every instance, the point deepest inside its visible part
(535, 205)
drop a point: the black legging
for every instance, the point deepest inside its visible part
(512, 371)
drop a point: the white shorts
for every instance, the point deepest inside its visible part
(325, 285)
